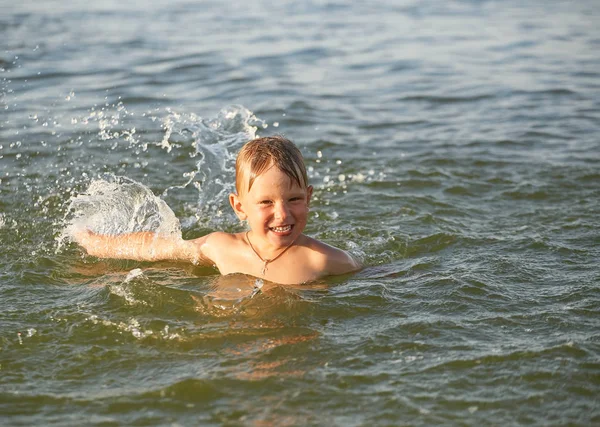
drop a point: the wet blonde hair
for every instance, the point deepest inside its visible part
(259, 154)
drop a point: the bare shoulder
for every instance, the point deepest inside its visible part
(212, 246)
(329, 259)
(220, 237)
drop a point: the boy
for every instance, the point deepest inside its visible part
(273, 196)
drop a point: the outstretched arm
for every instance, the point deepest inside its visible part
(142, 246)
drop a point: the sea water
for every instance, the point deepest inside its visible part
(454, 146)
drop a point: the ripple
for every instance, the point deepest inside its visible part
(447, 99)
(531, 194)
(432, 243)
(392, 125)
(187, 390)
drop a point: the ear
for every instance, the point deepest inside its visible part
(236, 205)
(309, 191)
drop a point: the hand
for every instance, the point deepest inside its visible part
(83, 236)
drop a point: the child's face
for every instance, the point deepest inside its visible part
(276, 208)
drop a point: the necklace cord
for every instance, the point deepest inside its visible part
(267, 261)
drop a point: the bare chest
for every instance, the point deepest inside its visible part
(292, 268)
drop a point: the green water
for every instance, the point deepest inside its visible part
(453, 146)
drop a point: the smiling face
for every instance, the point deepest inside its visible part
(276, 209)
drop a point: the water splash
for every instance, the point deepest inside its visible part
(136, 272)
(217, 141)
(117, 205)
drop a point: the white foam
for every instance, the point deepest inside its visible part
(136, 272)
(116, 205)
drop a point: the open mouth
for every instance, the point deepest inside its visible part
(281, 229)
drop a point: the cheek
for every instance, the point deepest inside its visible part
(301, 211)
(261, 214)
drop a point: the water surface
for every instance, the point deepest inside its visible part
(454, 145)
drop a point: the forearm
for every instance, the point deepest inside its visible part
(142, 246)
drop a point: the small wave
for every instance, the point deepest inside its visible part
(417, 184)
(527, 195)
(429, 244)
(538, 135)
(514, 46)
(590, 177)
(134, 328)
(458, 190)
(392, 124)
(189, 390)
(447, 99)
(555, 91)
(499, 357)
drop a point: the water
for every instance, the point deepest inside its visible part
(454, 144)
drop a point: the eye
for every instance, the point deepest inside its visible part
(296, 199)
(265, 202)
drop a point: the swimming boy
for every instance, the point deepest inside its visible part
(273, 196)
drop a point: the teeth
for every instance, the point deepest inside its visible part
(282, 229)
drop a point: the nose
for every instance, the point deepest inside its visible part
(281, 211)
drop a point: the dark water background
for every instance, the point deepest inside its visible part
(455, 144)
